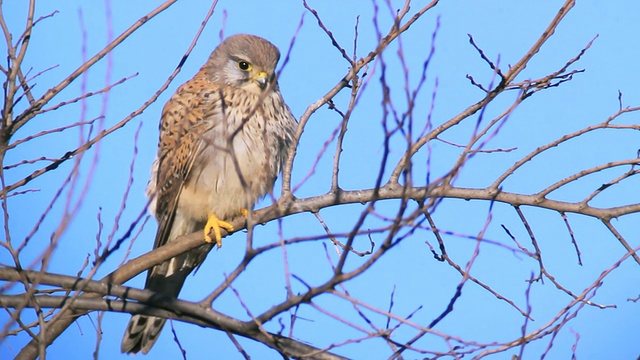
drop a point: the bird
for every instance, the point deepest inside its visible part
(224, 137)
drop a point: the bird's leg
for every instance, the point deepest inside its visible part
(244, 213)
(213, 223)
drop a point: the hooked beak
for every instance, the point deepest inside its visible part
(262, 79)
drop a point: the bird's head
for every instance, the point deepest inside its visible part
(244, 61)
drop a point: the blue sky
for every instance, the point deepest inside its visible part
(504, 29)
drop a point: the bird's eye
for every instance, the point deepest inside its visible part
(244, 66)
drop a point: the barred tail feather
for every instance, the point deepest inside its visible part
(165, 279)
(142, 332)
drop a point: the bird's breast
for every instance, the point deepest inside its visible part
(237, 166)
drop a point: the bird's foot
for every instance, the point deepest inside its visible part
(213, 223)
(244, 213)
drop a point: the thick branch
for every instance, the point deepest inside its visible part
(150, 303)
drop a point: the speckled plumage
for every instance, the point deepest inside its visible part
(223, 138)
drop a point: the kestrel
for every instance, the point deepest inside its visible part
(224, 136)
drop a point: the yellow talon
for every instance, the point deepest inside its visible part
(244, 212)
(213, 223)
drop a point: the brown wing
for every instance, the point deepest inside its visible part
(181, 131)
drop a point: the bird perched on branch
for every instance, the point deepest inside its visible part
(224, 136)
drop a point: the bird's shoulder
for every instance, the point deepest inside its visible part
(190, 100)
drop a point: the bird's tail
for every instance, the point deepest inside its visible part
(166, 279)
(142, 332)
